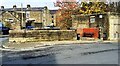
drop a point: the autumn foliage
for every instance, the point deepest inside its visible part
(64, 18)
(64, 14)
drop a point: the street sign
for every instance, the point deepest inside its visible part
(92, 19)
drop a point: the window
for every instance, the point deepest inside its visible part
(52, 16)
(27, 14)
(114, 35)
(52, 21)
(118, 35)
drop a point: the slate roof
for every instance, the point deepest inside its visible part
(24, 9)
(53, 11)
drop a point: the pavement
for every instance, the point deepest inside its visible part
(24, 46)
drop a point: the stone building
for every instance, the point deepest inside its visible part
(30, 16)
(8, 16)
(80, 21)
(109, 24)
(114, 28)
(99, 21)
(53, 17)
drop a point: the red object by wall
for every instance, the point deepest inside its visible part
(94, 31)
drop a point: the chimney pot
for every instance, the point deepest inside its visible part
(2, 7)
(28, 6)
(14, 6)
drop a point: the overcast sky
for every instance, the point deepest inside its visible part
(33, 3)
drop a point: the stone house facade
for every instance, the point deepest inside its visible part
(53, 17)
(99, 21)
(18, 17)
(80, 21)
(114, 28)
(110, 24)
(8, 17)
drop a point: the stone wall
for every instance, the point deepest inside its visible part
(41, 35)
(80, 21)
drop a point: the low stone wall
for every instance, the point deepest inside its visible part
(41, 35)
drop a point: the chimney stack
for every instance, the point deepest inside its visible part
(14, 6)
(2, 7)
(28, 6)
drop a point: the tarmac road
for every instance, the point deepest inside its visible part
(65, 54)
(3, 40)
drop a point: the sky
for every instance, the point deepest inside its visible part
(33, 3)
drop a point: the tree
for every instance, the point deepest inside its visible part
(64, 19)
(114, 7)
(93, 7)
(118, 7)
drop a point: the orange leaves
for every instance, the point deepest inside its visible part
(68, 9)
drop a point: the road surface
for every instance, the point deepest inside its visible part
(65, 54)
(3, 40)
